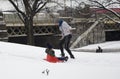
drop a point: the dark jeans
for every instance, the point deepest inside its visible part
(61, 58)
(65, 42)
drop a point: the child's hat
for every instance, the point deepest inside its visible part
(49, 46)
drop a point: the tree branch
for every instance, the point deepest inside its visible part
(34, 5)
(27, 6)
(21, 18)
(112, 3)
(40, 7)
(110, 10)
(15, 6)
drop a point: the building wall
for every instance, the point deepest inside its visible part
(3, 30)
(96, 35)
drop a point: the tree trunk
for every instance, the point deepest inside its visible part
(29, 31)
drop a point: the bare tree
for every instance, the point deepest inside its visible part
(26, 11)
(105, 5)
(84, 10)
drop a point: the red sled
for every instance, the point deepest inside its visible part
(52, 59)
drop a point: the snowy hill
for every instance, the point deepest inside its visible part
(26, 62)
(113, 46)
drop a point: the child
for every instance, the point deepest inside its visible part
(51, 55)
(99, 49)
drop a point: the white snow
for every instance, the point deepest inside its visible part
(19, 61)
(113, 46)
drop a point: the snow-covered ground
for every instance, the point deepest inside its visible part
(26, 62)
(113, 46)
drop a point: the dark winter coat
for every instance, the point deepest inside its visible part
(50, 52)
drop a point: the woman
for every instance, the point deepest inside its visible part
(66, 37)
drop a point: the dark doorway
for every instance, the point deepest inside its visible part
(112, 35)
